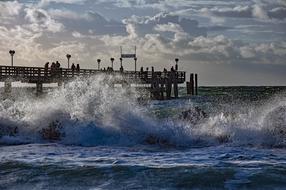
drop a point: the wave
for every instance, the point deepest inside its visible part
(92, 112)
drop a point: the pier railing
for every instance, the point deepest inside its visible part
(48, 75)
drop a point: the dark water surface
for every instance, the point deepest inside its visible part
(241, 144)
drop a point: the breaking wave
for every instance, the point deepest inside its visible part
(92, 112)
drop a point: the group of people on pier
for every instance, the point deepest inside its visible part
(55, 70)
(75, 68)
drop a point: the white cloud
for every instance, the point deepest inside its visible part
(43, 3)
(40, 20)
(10, 8)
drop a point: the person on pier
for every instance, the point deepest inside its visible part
(46, 68)
(58, 69)
(53, 67)
(152, 69)
(77, 68)
(73, 67)
(58, 65)
(141, 72)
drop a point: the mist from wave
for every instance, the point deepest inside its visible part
(91, 112)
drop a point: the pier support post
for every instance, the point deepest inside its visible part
(196, 84)
(39, 87)
(176, 90)
(192, 84)
(60, 83)
(162, 89)
(188, 86)
(7, 87)
(168, 88)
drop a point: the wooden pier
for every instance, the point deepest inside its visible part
(160, 84)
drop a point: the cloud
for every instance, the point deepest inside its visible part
(10, 8)
(278, 13)
(43, 3)
(147, 25)
(40, 20)
(88, 22)
(247, 11)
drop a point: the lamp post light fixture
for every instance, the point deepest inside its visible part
(176, 66)
(98, 64)
(12, 52)
(112, 60)
(68, 57)
(135, 60)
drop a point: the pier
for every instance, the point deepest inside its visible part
(160, 84)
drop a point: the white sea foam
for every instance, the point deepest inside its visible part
(92, 112)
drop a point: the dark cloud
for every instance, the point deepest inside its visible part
(248, 11)
(90, 23)
(278, 13)
(146, 25)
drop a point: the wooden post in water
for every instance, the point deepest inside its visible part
(168, 88)
(39, 87)
(162, 89)
(7, 87)
(60, 83)
(175, 81)
(196, 84)
(188, 85)
(192, 84)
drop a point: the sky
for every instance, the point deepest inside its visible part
(227, 42)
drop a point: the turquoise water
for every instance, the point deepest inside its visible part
(105, 139)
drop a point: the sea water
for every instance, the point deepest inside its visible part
(240, 144)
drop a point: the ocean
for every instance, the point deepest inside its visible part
(104, 138)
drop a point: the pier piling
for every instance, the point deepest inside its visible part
(39, 87)
(7, 87)
(196, 84)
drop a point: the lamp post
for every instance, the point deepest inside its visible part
(68, 57)
(12, 52)
(176, 66)
(120, 62)
(112, 60)
(98, 64)
(135, 60)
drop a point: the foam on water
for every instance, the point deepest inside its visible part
(91, 113)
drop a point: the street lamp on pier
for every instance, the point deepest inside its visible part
(112, 60)
(12, 52)
(98, 64)
(135, 60)
(176, 66)
(68, 57)
(120, 62)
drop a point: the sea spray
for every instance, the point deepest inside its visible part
(92, 112)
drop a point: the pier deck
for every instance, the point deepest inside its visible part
(160, 84)
(42, 75)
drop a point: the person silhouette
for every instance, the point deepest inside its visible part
(46, 68)
(53, 66)
(58, 65)
(73, 67)
(77, 68)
